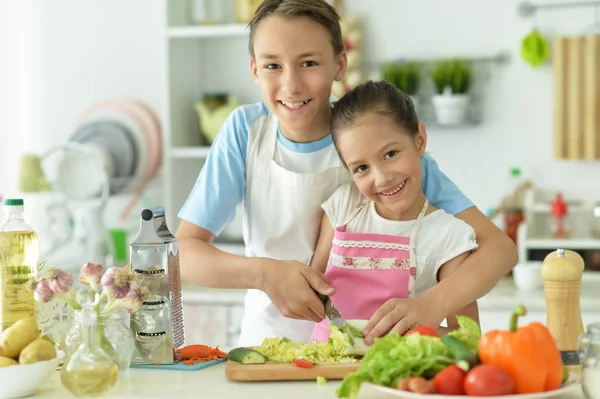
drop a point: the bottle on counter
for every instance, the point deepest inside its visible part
(561, 273)
(513, 208)
(590, 353)
(19, 253)
(89, 371)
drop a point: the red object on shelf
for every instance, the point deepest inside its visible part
(559, 211)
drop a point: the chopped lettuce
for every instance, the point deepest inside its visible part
(468, 333)
(394, 356)
(285, 350)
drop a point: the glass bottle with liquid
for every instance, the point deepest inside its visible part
(19, 253)
(89, 371)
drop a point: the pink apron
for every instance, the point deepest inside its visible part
(368, 269)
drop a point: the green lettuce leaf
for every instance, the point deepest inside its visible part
(468, 333)
(393, 357)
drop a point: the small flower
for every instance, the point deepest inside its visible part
(132, 302)
(117, 282)
(60, 281)
(91, 274)
(42, 291)
(413, 271)
(349, 262)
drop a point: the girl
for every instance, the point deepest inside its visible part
(380, 238)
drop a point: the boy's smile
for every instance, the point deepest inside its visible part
(385, 163)
(294, 64)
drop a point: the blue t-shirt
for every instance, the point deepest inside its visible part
(221, 185)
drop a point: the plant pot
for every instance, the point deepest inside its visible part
(415, 101)
(451, 109)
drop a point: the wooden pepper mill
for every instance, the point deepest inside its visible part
(561, 273)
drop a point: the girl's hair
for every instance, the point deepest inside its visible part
(318, 11)
(374, 97)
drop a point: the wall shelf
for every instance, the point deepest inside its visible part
(189, 152)
(225, 30)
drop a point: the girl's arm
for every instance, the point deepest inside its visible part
(324, 243)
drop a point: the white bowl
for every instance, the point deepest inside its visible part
(527, 276)
(25, 379)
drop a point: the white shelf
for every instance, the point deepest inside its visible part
(225, 30)
(189, 152)
(554, 243)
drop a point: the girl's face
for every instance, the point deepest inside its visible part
(294, 65)
(385, 163)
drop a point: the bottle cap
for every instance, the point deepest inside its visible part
(13, 202)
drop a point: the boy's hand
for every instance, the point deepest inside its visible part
(398, 315)
(290, 286)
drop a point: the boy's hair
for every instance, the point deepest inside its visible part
(318, 11)
(374, 97)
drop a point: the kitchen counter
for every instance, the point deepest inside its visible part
(212, 383)
(504, 296)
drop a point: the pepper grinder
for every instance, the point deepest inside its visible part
(561, 273)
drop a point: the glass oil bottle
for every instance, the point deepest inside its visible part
(90, 371)
(19, 253)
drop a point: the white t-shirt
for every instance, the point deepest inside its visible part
(441, 236)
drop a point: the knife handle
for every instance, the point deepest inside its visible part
(322, 297)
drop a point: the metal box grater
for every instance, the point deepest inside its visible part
(158, 325)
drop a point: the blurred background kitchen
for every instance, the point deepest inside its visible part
(108, 107)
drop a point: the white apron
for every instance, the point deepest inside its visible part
(282, 216)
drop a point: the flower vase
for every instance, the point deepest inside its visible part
(114, 336)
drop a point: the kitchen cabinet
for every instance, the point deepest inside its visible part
(200, 59)
(212, 324)
(499, 319)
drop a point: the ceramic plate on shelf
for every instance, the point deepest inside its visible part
(373, 391)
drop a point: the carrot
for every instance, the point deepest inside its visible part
(192, 354)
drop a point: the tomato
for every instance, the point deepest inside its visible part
(423, 330)
(488, 380)
(450, 381)
(305, 364)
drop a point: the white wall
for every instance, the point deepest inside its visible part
(517, 118)
(62, 56)
(65, 55)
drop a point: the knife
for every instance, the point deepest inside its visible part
(334, 316)
(331, 311)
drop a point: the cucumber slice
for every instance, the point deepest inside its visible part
(246, 356)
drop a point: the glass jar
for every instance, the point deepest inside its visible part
(590, 361)
(114, 336)
(245, 9)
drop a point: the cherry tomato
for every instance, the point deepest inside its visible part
(305, 364)
(488, 380)
(423, 330)
(450, 381)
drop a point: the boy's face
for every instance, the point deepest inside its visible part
(385, 163)
(295, 66)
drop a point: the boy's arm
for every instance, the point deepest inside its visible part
(471, 310)
(324, 243)
(210, 207)
(482, 270)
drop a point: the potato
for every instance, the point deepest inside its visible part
(7, 361)
(37, 351)
(18, 336)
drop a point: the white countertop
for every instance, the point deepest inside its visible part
(212, 383)
(504, 296)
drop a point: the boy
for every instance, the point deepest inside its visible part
(278, 157)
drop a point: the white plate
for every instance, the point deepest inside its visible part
(373, 391)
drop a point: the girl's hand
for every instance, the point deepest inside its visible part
(291, 285)
(399, 315)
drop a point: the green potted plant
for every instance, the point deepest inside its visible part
(452, 79)
(405, 76)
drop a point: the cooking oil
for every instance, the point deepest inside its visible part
(19, 252)
(93, 379)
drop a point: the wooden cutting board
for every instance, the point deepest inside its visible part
(271, 371)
